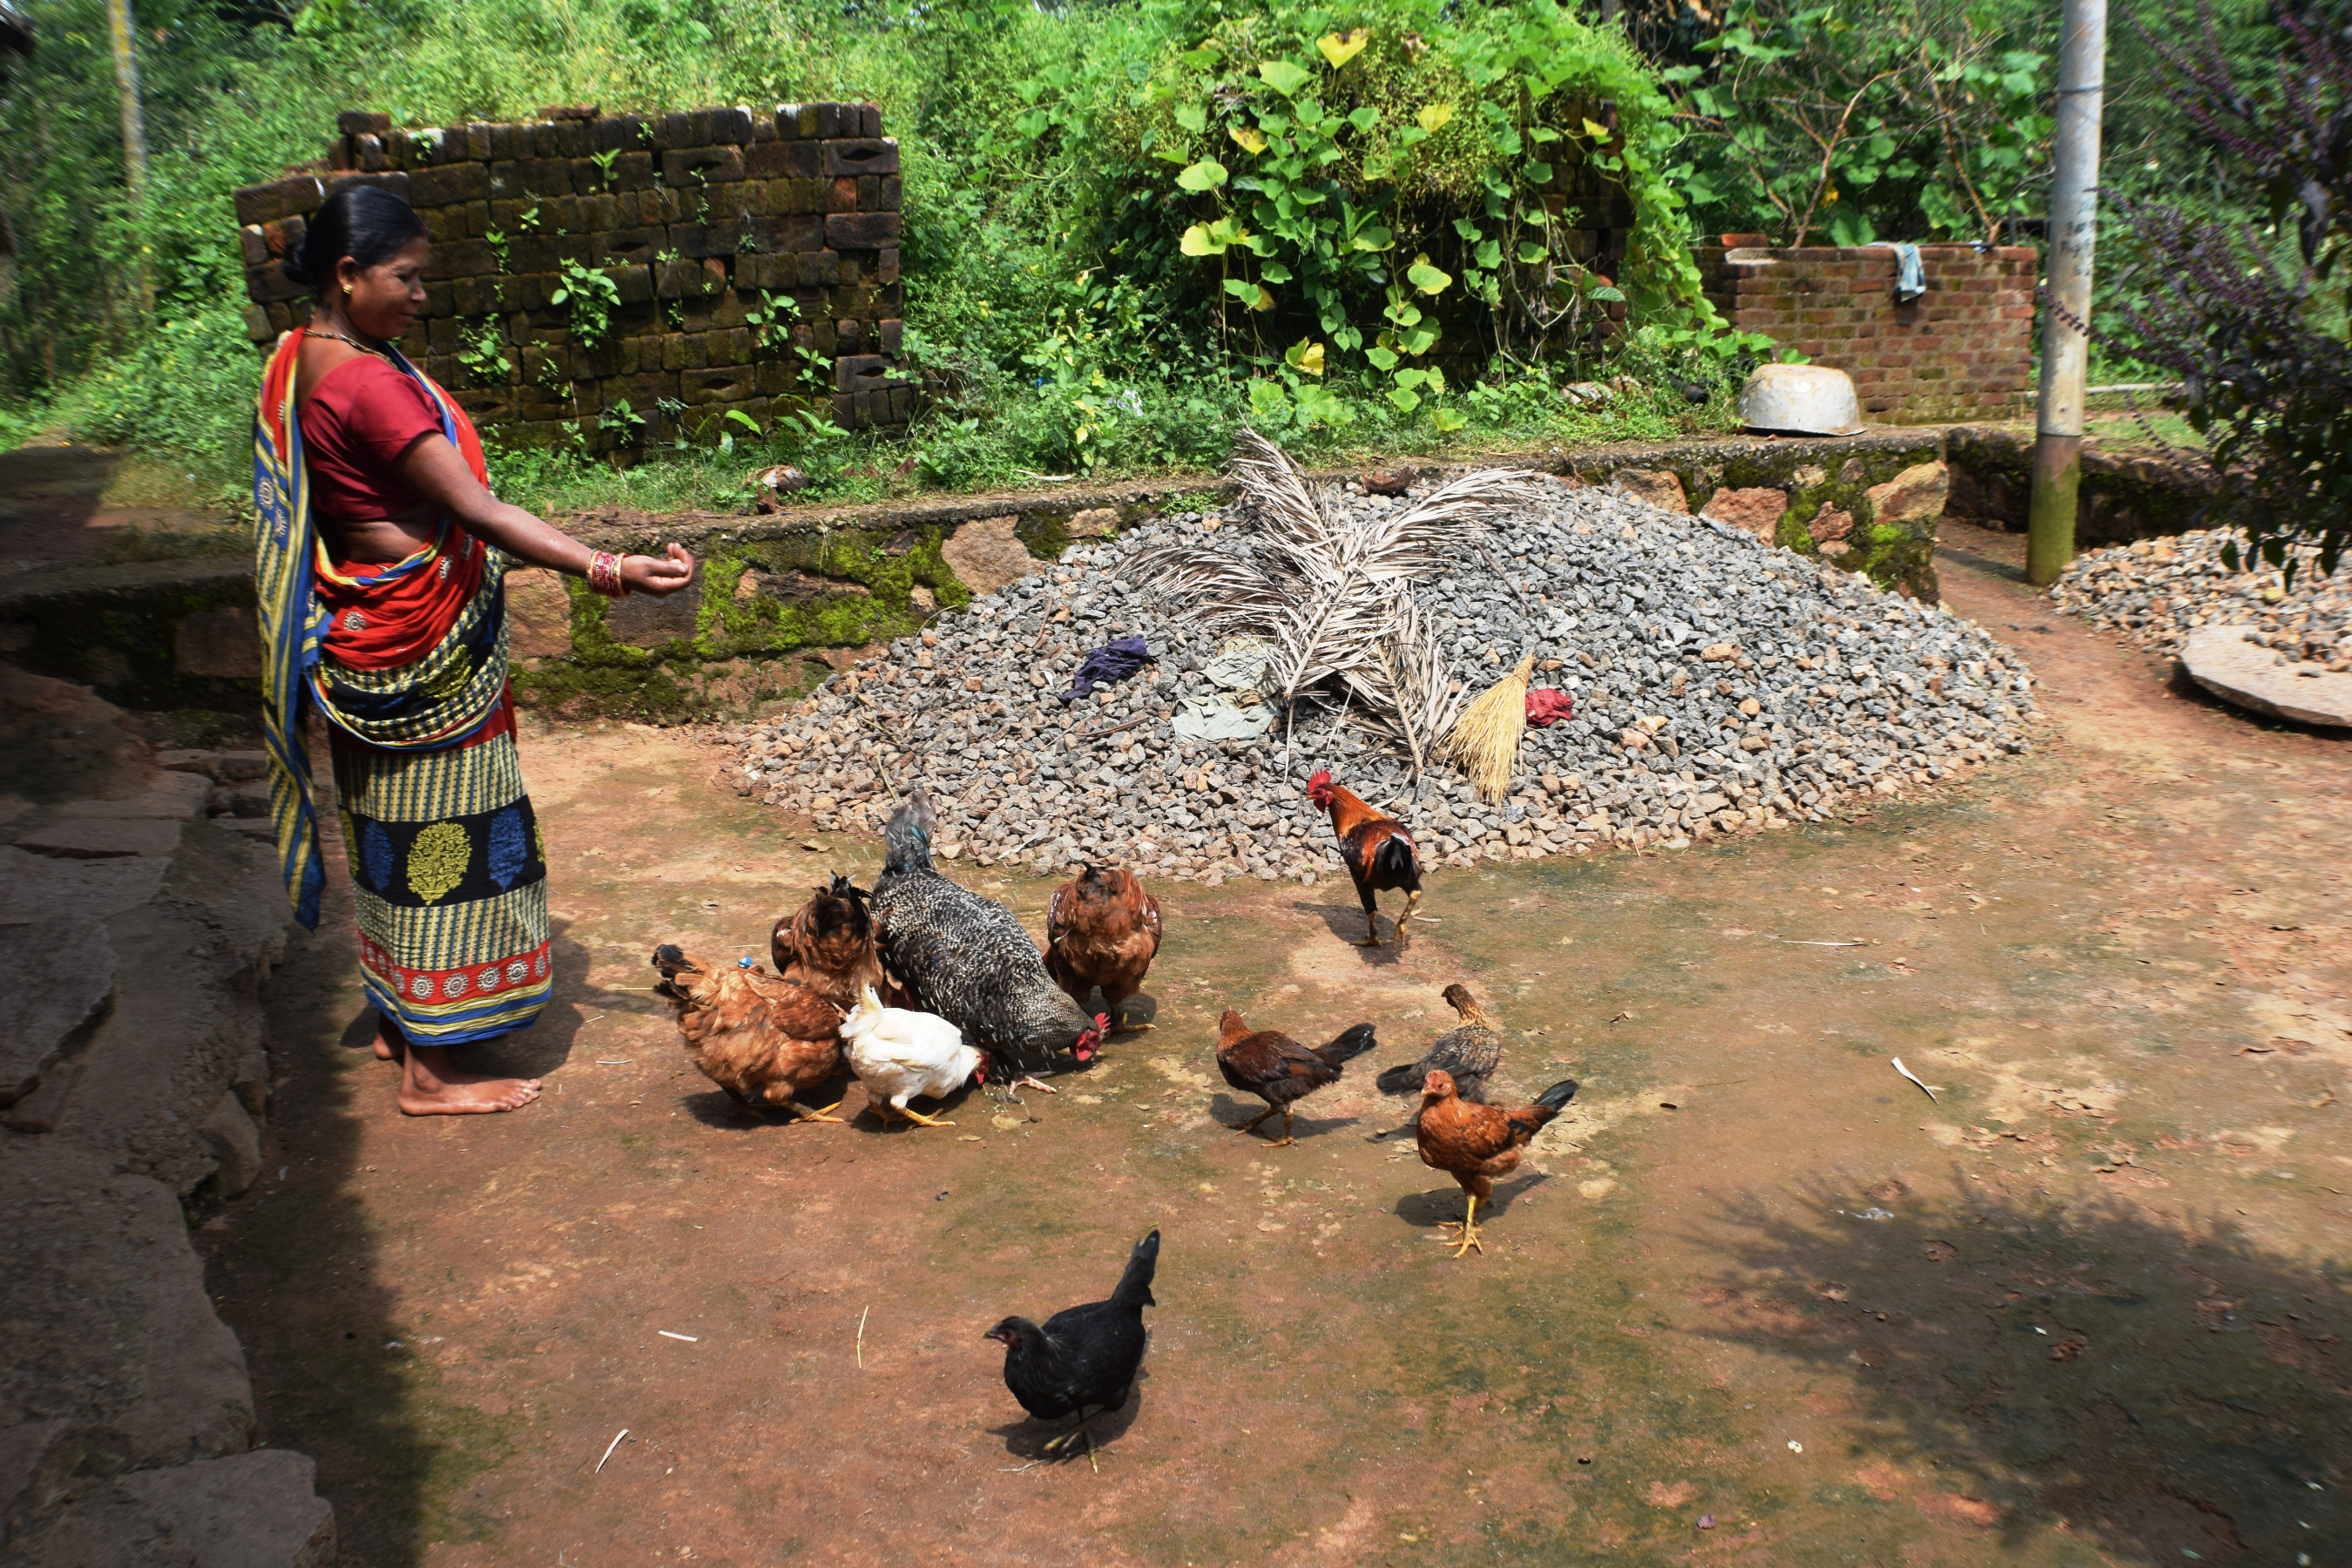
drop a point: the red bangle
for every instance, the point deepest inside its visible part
(604, 574)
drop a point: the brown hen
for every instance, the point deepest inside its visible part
(827, 944)
(1278, 1069)
(1102, 929)
(1476, 1143)
(761, 1038)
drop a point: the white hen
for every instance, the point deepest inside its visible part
(899, 1055)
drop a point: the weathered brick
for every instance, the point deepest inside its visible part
(444, 183)
(861, 231)
(704, 385)
(782, 160)
(363, 122)
(714, 164)
(269, 285)
(279, 198)
(874, 155)
(878, 193)
(819, 268)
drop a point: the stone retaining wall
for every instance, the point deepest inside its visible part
(784, 600)
(1962, 351)
(752, 261)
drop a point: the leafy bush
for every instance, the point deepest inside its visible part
(2254, 319)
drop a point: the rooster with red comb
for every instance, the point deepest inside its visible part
(1378, 848)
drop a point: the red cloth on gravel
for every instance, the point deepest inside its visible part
(1547, 707)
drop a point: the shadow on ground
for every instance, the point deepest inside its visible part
(2166, 1393)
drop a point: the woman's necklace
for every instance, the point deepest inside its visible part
(318, 331)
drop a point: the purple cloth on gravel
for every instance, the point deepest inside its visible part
(1107, 666)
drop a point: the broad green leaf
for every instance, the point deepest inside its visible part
(1274, 272)
(1193, 117)
(1449, 419)
(1428, 279)
(1372, 237)
(1489, 254)
(1382, 359)
(1466, 229)
(1539, 173)
(1205, 175)
(1411, 377)
(1269, 402)
(1248, 137)
(1283, 77)
(1242, 289)
(1197, 241)
(1530, 253)
(1364, 119)
(1417, 340)
(1432, 117)
(1340, 49)
(1607, 295)
(1407, 401)
(1305, 355)
(1595, 130)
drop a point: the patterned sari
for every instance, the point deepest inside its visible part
(407, 661)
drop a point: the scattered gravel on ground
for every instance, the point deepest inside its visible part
(2157, 590)
(1721, 686)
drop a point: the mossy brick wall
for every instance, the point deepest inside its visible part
(754, 257)
(1962, 351)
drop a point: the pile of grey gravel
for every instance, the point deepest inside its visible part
(2157, 590)
(1721, 686)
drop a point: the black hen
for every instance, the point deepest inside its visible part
(967, 959)
(1084, 1358)
(1471, 1052)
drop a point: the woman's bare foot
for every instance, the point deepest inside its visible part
(430, 1087)
(391, 1044)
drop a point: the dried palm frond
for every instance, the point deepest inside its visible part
(1410, 694)
(1485, 739)
(1324, 585)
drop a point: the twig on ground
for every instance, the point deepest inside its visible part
(861, 1336)
(609, 1448)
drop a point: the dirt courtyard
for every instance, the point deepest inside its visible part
(1756, 1297)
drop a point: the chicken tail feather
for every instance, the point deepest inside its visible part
(1393, 864)
(1406, 1079)
(1348, 1047)
(1134, 1291)
(908, 837)
(1555, 1098)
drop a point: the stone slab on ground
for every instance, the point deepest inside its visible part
(101, 838)
(61, 975)
(173, 796)
(186, 1027)
(43, 890)
(260, 1510)
(109, 1329)
(2222, 661)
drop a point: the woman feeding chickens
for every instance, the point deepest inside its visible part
(379, 560)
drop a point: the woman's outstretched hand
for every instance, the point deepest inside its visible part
(658, 574)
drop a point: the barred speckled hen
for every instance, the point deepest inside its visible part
(966, 958)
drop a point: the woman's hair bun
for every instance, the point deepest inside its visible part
(366, 223)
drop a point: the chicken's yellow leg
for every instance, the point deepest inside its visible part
(919, 1120)
(1284, 1139)
(1055, 1445)
(803, 1113)
(1470, 1226)
(1405, 918)
(1251, 1125)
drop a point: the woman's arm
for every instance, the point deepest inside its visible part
(437, 471)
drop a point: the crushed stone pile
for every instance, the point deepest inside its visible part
(1720, 686)
(2157, 590)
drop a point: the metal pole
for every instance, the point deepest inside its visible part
(2066, 312)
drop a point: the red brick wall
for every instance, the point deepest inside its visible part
(694, 216)
(1963, 351)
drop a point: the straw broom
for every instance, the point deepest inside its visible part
(1485, 739)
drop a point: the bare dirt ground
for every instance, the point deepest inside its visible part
(1755, 1298)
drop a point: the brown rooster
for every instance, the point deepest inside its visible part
(762, 1039)
(1102, 929)
(1378, 848)
(827, 944)
(1278, 1069)
(1475, 1143)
